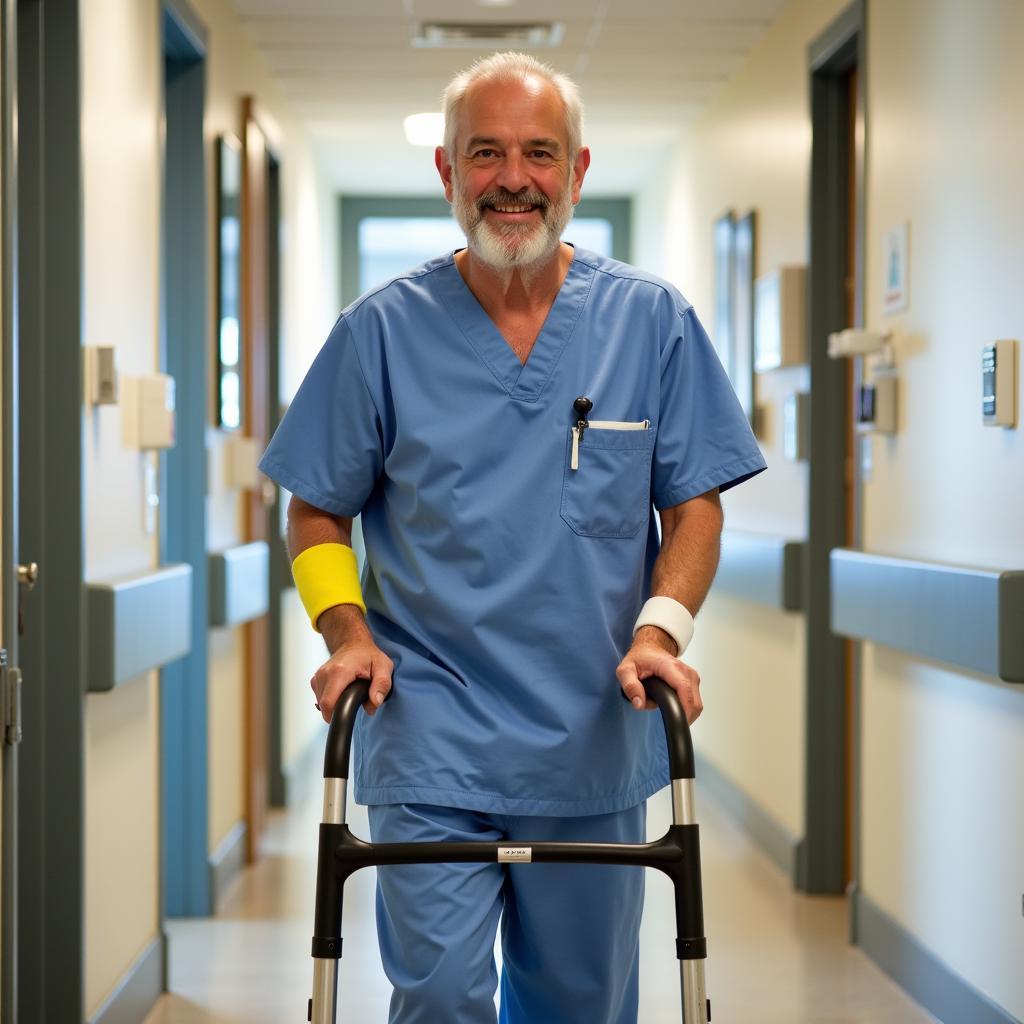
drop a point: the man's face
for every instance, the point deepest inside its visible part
(511, 185)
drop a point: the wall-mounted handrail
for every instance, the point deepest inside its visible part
(966, 616)
(136, 624)
(239, 583)
(762, 568)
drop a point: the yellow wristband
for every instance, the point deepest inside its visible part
(326, 575)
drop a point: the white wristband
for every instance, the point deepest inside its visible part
(669, 615)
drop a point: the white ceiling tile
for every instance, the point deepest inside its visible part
(349, 71)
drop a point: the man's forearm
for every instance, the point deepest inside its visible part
(341, 624)
(688, 560)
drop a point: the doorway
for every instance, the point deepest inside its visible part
(10, 681)
(826, 859)
(185, 878)
(49, 941)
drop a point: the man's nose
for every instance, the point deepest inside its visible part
(513, 175)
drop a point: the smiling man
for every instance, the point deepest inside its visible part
(506, 420)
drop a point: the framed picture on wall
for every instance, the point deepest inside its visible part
(741, 367)
(724, 283)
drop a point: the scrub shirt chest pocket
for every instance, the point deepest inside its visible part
(606, 482)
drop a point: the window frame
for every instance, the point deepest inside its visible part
(618, 211)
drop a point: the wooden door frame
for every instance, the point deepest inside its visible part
(256, 149)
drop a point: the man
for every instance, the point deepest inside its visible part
(503, 419)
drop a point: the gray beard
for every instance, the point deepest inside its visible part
(513, 246)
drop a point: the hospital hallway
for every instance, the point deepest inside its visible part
(776, 956)
(514, 351)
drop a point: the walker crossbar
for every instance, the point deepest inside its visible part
(677, 854)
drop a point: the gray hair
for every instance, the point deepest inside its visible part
(510, 67)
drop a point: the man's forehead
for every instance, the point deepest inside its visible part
(531, 109)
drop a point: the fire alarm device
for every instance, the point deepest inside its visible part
(999, 384)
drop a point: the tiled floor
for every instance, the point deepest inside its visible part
(775, 957)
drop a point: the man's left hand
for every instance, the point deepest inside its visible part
(653, 654)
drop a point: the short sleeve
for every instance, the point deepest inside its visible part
(328, 449)
(704, 440)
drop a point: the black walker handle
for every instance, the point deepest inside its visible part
(338, 753)
(677, 854)
(339, 736)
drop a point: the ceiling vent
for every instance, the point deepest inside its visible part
(446, 34)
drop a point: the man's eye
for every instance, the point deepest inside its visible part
(541, 154)
(485, 154)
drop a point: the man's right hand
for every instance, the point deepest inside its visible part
(360, 659)
(354, 655)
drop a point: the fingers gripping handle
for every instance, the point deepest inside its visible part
(677, 729)
(343, 721)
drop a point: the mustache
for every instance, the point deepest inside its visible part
(502, 197)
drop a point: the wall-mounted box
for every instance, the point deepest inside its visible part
(241, 458)
(999, 384)
(156, 411)
(148, 412)
(780, 330)
(101, 377)
(876, 403)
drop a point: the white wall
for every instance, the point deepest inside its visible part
(943, 750)
(310, 289)
(122, 68)
(750, 149)
(121, 193)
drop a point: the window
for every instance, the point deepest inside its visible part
(383, 237)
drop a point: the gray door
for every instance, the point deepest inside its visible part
(10, 691)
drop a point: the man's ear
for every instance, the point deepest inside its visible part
(444, 168)
(579, 172)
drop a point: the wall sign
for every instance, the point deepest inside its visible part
(897, 269)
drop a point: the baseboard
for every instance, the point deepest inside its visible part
(919, 972)
(304, 771)
(139, 988)
(226, 862)
(774, 839)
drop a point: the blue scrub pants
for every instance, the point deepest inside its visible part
(569, 932)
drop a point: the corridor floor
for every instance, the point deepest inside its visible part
(775, 957)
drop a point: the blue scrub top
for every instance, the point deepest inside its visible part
(502, 582)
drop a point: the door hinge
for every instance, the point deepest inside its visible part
(10, 701)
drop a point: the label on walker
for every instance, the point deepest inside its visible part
(521, 854)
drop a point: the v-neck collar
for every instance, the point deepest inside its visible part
(523, 381)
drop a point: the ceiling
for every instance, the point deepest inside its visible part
(349, 71)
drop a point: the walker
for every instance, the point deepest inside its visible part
(677, 853)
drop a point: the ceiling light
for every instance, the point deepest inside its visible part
(495, 3)
(424, 129)
(447, 34)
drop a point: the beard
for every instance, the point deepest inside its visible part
(510, 246)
